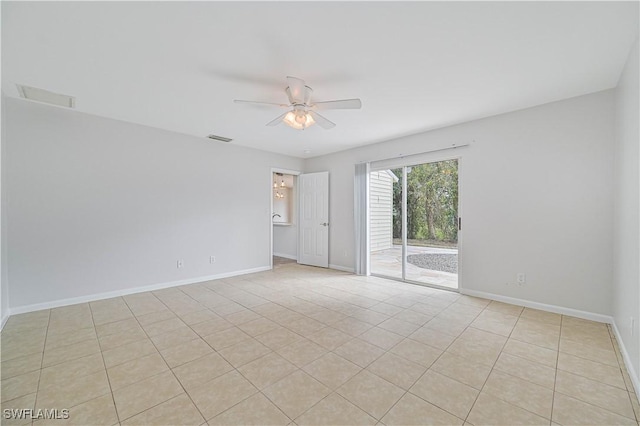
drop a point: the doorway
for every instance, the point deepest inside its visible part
(284, 217)
(414, 223)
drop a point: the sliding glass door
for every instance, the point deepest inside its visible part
(414, 223)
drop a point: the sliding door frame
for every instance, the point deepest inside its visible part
(405, 164)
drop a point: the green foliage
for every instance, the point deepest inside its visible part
(432, 202)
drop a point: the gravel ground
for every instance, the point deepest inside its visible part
(435, 261)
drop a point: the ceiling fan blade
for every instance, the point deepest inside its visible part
(341, 104)
(296, 90)
(322, 122)
(277, 120)
(240, 101)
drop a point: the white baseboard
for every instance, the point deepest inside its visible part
(341, 268)
(286, 256)
(627, 359)
(3, 321)
(541, 306)
(127, 291)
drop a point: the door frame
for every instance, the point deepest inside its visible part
(424, 159)
(295, 173)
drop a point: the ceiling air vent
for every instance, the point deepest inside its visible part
(41, 95)
(219, 138)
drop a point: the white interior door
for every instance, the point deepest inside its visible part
(314, 219)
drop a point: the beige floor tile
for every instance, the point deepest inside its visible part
(446, 393)
(461, 369)
(570, 411)
(302, 353)
(225, 338)
(329, 338)
(397, 370)
(98, 411)
(38, 319)
(67, 353)
(202, 370)
(198, 316)
(475, 350)
(120, 339)
(371, 393)
(604, 356)
(221, 393)
(69, 338)
(26, 402)
(596, 393)
(446, 326)
(382, 338)
(335, 410)
(521, 393)
(21, 365)
(489, 410)
(433, 338)
(542, 316)
(352, 326)
(591, 370)
(61, 374)
(504, 308)
(332, 370)
(359, 352)
(258, 326)
(387, 309)
(526, 370)
(176, 411)
(242, 317)
(370, 316)
(183, 353)
(164, 326)
(21, 385)
(128, 352)
(495, 322)
(416, 352)
(255, 410)
(209, 327)
(133, 371)
(411, 410)
(296, 393)
(413, 317)
(155, 317)
(173, 338)
(267, 370)
(536, 333)
(145, 394)
(244, 352)
(277, 338)
(397, 326)
(545, 356)
(76, 391)
(303, 326)
(117, 327)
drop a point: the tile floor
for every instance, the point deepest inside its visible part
(307, 346)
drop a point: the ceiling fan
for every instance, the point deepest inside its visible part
(303, 112)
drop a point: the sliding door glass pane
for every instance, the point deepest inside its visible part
(385, 213)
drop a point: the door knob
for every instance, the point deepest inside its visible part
(324, 224)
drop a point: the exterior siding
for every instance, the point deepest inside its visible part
(380, 208)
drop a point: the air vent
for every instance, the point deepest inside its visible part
(41, 95)
(219, 138)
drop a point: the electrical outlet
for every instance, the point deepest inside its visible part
(521, 278)
(212, 259)
(180, 264)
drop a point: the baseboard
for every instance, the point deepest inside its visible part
(3, 321)
(540, 306)
(341, 268)
(125, 292)
(286, 256)
(627, 359)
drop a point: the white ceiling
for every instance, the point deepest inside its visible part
(415, 65)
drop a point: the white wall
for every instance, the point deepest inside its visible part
(98, 205)
(626, 248)
(4, 278)
(536, 197)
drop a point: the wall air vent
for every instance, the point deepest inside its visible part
(41, 95)
(219, 138)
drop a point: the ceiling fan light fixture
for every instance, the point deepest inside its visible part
(298, 120)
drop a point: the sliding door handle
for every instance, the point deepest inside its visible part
(324, 224)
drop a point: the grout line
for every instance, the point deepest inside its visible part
(35, 401)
